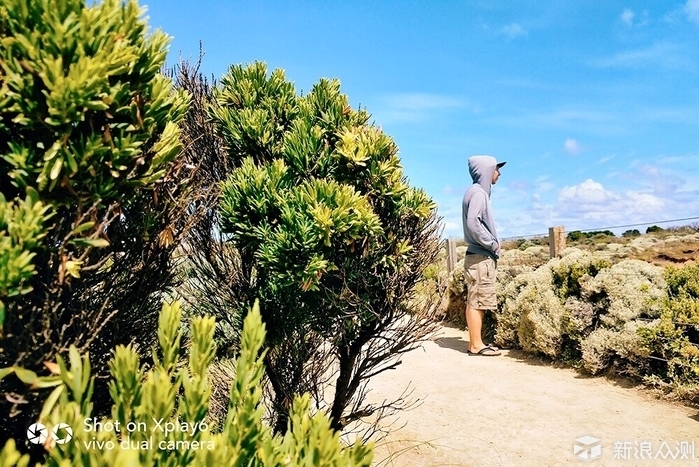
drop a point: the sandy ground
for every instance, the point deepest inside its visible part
(513, 410)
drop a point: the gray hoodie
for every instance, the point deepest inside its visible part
(477, 216)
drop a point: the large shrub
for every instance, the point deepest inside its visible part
(575, 318)
(683, 294)
(602, 313)
(509, 313)
(673, 340)
(213, 282)
(161, 414)
(625, 298)
(515, 269)
(332, 239)
(575, 266)
(539, 327)
(626, 291)
(91, 195)
(583, 310)
(539, 309)
(620, 351)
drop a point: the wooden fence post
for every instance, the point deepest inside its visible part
(451, 255)
(557, 241)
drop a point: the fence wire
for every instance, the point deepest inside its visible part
(641, 224)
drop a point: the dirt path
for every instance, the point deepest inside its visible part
(512, 411)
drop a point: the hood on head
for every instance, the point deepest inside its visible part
(482, 169)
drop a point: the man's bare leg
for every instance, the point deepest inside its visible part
(474, 321)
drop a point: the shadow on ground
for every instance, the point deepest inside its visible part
(454, 343)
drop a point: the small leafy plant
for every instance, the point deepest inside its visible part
(160, 415)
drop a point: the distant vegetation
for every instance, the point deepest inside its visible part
(576, 235)
(625, 306)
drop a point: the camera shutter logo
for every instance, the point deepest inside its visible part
(37, 433)
(67, 430)
(587, 448)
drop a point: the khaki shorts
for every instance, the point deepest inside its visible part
(480, 281)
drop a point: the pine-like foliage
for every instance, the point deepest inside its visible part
(88, 186)
(332, 238)
(160, 415)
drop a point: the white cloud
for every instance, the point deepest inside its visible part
(588, 192)
(513, 31)
(666, 55)
(543, 184)
(589, 202)
(646, 200)
(662, 179)
(692, 10)
(452, 229)
(649, 170)
(414, 107)
(572, 147)
(644, 193)
(631, 19)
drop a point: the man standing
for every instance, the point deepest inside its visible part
(483, 249)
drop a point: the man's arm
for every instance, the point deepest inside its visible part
(475, 225)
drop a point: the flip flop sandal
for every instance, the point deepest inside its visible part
(486, 352)
(494, 347)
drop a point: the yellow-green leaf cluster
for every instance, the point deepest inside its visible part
(160, 416)
(86, 121)
(83, 108)
(22, 227)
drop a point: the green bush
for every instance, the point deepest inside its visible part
(431, 273)
(626, 291)
(90, 191)
(619, 351)
(630, 318)
(540, 327)
(162, 413)
(560, 318)
(577, 235)
(332, 239)
(575, 266)
(86, 116)
(603, 308)
(21, 231)
(673, 339)
(520, 301)
(582, 310)
(682, 306)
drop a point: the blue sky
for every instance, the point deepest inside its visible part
(594, 104)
